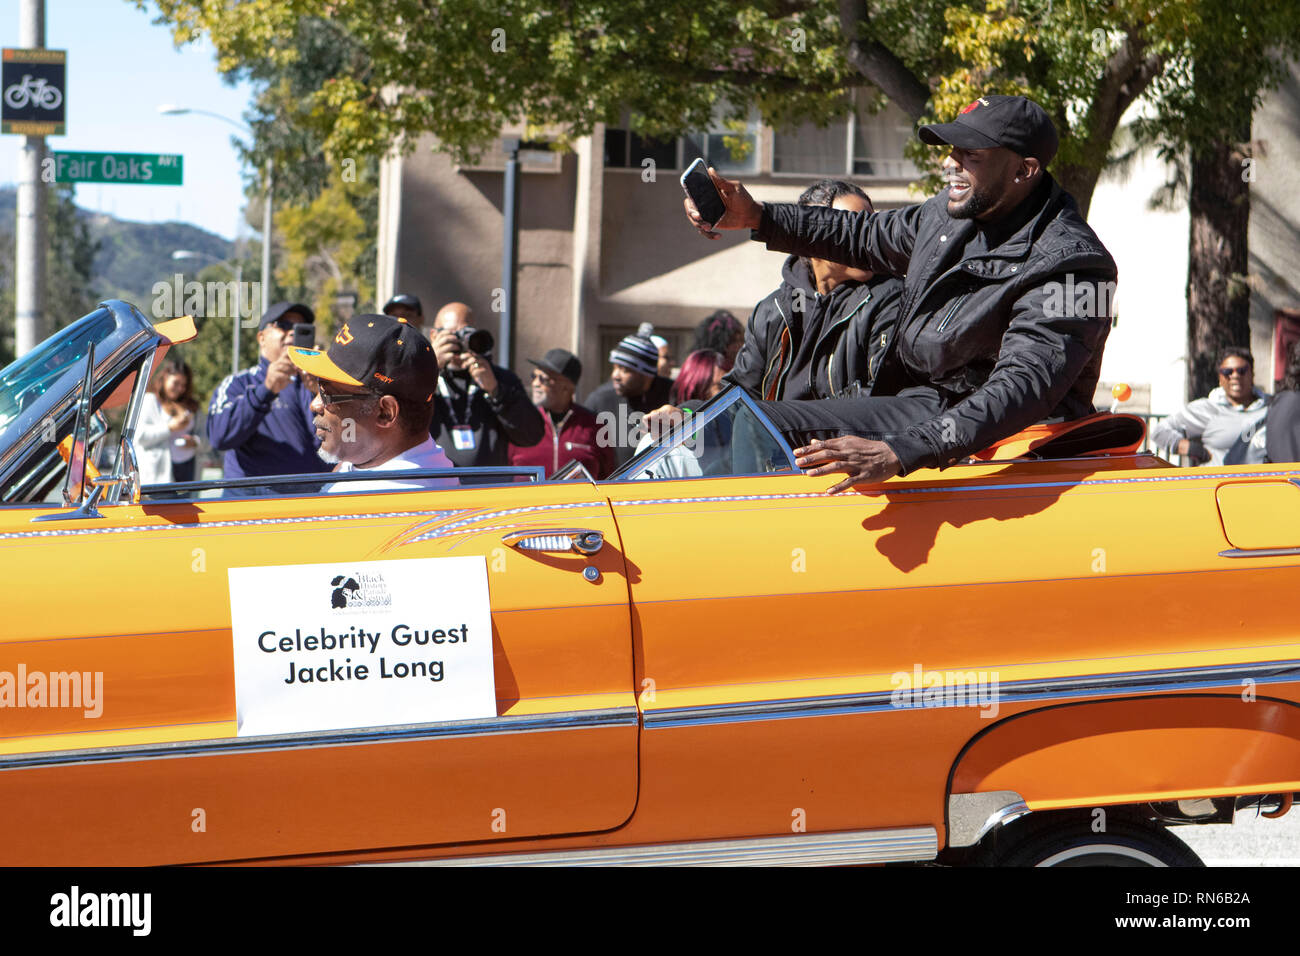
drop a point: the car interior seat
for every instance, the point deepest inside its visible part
(1103, 433)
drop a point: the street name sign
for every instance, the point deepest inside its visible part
(149, 169)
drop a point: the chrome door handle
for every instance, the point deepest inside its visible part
(576, 540)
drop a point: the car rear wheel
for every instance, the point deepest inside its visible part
(1072, 842)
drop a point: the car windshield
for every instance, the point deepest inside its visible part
(26, 379)
(727, 436)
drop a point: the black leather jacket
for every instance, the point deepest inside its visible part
(1011, 331)
(851, 328)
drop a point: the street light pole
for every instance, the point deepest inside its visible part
(30, 240)
(266, 236)
(509, 250)
(239, 300)
(268, 195)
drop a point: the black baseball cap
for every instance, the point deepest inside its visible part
(386, 355)
(560, 362)
(410, 301)
(278, 311)
(1016, 122)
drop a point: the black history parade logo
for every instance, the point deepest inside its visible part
(363, 591)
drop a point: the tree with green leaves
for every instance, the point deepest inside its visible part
(1233, 57)
(70, 292)
(327, 251)
(463, 69)
(210, 352)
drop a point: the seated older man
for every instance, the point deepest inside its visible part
(374, 401)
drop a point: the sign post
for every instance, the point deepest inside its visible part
(32, 103)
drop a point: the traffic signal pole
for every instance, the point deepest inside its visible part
(29, 251)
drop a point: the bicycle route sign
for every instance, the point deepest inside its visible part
(146, 169)
(32, 84)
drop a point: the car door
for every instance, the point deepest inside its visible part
(143, 764)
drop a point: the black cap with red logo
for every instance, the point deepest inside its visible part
(378, 352)
(1016, 122)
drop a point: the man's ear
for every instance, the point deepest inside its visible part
(386, 415)
(1029, 168)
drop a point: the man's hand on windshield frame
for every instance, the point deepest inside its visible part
(865, 461)
(660, 422)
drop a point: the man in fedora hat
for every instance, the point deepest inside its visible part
(570, 429)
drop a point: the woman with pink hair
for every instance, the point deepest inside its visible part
(700, 378)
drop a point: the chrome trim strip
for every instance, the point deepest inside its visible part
(535, 472)
(398, 733)
(882, 492)
(1103, 685)
(462, 527)
(239, 523)
(1258, 552)
(971, 815)
(803, 849)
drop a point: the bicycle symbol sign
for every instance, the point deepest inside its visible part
(33, 84)
(32, 90)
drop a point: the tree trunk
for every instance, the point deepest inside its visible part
(1080, 182)
(1218, 298)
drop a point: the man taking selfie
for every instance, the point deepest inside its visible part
(1006, 305)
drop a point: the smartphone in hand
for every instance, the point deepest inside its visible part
(703, 193)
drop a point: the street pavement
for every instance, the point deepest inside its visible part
(1251, 841)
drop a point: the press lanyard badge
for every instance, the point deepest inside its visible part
(462, 436)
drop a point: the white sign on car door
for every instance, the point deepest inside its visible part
(361, 644)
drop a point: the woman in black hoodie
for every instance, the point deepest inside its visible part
(822, 332)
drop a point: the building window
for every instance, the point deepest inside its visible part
(627, 150)
(812, 150)
(714, 145)
(861, 145)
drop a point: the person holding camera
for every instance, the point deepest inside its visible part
(261, 417)
(480, 409)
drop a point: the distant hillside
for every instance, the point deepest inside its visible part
(133, 255)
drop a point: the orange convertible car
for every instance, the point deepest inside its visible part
(1029, 659)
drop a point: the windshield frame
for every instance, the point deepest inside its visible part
(133, 335)
(713, 408)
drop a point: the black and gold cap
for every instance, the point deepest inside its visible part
(379, 352)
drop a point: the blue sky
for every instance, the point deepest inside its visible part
(121, 67)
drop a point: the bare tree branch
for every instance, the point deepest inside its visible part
(878, 63)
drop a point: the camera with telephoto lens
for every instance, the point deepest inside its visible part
(475, 340)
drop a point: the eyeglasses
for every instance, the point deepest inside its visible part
(338, 398)
(543, 379)
(1242, 370)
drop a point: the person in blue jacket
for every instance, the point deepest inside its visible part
(261, 417)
